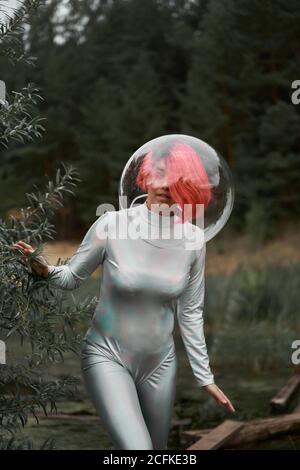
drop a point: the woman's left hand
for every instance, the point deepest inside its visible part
(219, 396)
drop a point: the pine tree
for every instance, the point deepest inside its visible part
(238, 98)
(114, 121)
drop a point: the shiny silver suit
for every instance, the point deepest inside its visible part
(129, 362)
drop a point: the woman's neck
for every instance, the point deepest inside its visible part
(160, 209)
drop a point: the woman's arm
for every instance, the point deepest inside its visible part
(85, 260)
(190, 319)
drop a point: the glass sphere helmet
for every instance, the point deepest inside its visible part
(185, 171)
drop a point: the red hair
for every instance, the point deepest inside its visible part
(187, 178)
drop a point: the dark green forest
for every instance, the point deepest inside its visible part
(103, 77)
(115, 74)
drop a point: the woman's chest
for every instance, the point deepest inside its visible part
(138, 266)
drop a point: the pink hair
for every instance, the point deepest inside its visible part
(187, 178)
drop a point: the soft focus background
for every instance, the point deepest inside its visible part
(117, 73)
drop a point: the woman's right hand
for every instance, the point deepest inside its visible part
(39, 265)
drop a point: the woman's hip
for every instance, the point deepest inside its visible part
(99, 350)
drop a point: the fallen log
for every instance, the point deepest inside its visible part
(255, 430)
(218, 436)
(282, 398)
(297, 408)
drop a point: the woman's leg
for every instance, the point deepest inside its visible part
(113, 393)
(157, 395)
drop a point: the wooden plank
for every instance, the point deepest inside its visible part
(282, 398)
(219, 436)
(189, 437)
(297, 408)
(255, 430)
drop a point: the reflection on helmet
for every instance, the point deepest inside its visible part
(197, 178)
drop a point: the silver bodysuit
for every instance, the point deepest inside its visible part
(129, 363)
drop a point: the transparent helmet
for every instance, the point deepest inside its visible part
(184, 171)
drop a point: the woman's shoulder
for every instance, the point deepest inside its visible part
(111, 218)
(113, 215)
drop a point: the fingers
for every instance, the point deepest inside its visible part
(23, 244)
(24, 247)
(220, 397)
(224, 401)
(228, 405)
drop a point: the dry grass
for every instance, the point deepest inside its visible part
(284, 249)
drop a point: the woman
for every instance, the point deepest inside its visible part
(129, 363)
